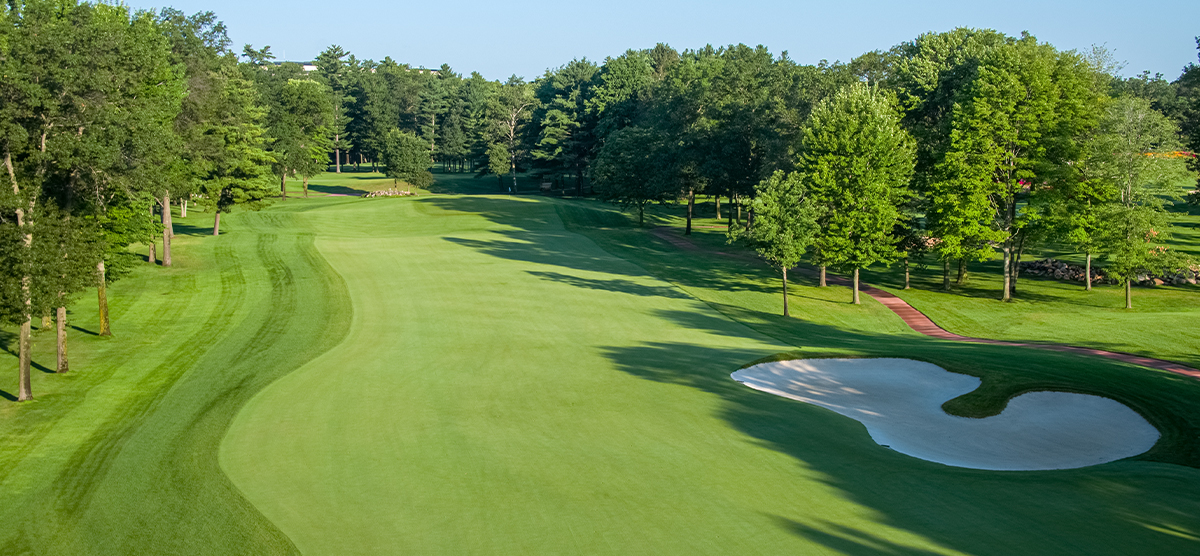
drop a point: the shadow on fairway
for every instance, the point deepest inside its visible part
(185, 229)
(847, 540)
(967, 510)
(338, 189)
(617, 285)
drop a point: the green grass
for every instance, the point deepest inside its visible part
(524, 375)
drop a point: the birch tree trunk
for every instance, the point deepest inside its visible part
(906, 280)
(183, 207)
(1087, 273)
(217, 224)
(821, 281)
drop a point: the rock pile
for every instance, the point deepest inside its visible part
(389, 193)
(1058, 270)
(1181, 277)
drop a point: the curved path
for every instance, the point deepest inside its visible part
(921, 323)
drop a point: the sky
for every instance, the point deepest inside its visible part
(526, 37)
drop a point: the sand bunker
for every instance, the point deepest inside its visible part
(899, 401)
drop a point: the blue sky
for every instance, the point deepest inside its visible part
(524, 37)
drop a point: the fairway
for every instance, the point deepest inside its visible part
(507, 385)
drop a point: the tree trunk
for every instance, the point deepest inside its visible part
(1007, 249)
(856, 299)
(578, 182)
(217, 223)
(907, 285)
(151, 257)
(337, 157)
(183, 208)
(61, 317)
(730, 217)
(305, 188)
(785, 299)
(946, 274)
(641, 216)
(717, 199)
(46, 321)
(168, 229)
(513, 173)
(1015, 265)
(962, 273)
(1128, 293)
(283, 184)
(24, 356)
(1087, 273)
(25, 390)
(821, 281)
(102, 297)
(688, 231)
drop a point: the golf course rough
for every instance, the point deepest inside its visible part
(509, 384)
(900, 403)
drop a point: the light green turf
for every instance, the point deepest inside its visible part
(511, 384)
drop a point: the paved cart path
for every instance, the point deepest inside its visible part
(921, 323)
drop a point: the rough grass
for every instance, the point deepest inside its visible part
(514, 374)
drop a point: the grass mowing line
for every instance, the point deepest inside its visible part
(141, 475)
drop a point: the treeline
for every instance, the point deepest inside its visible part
(955, 146)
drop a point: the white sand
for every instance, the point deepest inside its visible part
(899, 401)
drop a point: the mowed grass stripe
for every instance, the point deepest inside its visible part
(143, 475)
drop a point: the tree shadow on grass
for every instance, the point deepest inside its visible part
(84, 330)
(848, 540)
(338, 189)
(616, 285)
(966, 510)
(184, 229)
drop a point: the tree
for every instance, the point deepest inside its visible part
(856, 162)
(299, 124)
(498, 162)
(784, 223)
(406, 158)
(628, 171)
(1134, 154)
(511, 109)
(566, 139)
(335, 73)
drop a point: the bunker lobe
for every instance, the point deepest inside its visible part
(899, 402)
